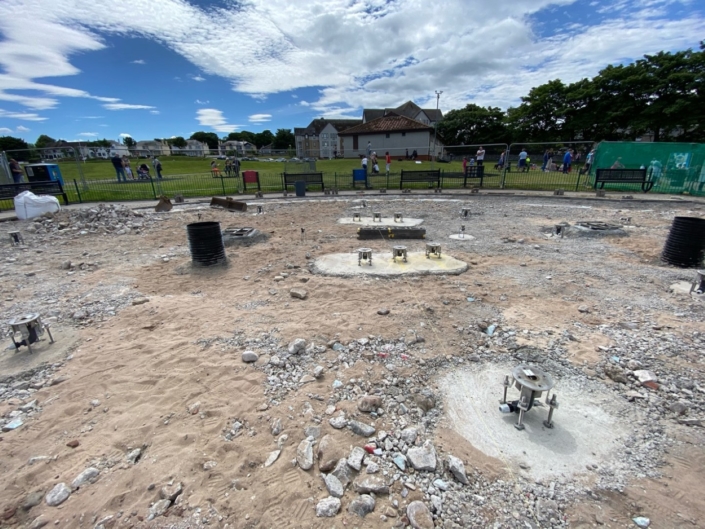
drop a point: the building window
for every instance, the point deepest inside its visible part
(325, 144)
(403, 133)
(387, 135)
(324, 135)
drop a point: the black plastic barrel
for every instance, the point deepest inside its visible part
(206, 243)
(300, 187)
(685, 245)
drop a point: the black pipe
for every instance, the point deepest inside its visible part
(206, 243)
(685, 246)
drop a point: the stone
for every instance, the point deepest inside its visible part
(87, 476)
(58, 495)
(39, 522)
(328, 507)
(140, 301)
(276, 426)
(193, 408)
(249, 356)
(400, 461)
(170, 492)
(32, 500)
(355, 458)
(645, 376)
(372, 467)
(436, 504)
(419, 515)
(158, 509)
(369, 403)
(304, 454)
(209, 465)
(422, 458)
(342, 472)
(338, 422)
(641, 521)
(679, 408)
(297, 346)
(383, 312)
(615, 373)
(408, 435)
(318, 372)
(584, 309)
(362, 505)
(306, 379)
(334, 486)
(425, 401)
(298, 293)
(440, 484)
(272, 458)
(360, 428)
(328, 454)
(457, 468)
(366, 484)
(313, 431)
(73, 444)
(66, 265)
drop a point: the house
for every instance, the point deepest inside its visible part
(151, 148)
(321, 138)
(193, 148)
(398, 135)
(266, 149)
(239, 148)
(427, 116)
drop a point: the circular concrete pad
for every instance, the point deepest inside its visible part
(587, 428)
(388, 221)
(345, 264)
(465, 237)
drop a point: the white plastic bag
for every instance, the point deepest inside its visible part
(28, 205)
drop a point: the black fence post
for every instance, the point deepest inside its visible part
(222, 183)
(151, 181)
(78, 191)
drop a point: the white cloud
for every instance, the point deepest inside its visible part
(260, 118)
(154, 112)
(125, 135)
(125, 106)
(22, 129)
(88, 134)
(27, 116)
(139, 61)
(476, 51)
(213, 118)
(91, 117)
(5, 130)
(199, 102)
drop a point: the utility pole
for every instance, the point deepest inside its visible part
(435, 124)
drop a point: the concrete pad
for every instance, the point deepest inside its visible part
(389, 221)
(345, 264)
(464, 237)
(589, 426)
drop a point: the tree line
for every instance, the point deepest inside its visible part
(662, 95)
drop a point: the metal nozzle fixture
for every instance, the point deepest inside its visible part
(364, 254)
(531, 381)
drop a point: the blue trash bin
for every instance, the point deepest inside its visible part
(359, 175)
(300, 187)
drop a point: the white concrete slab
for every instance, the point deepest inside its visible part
(388, 221)
(345, 264)
(464, 237)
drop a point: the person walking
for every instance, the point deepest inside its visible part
(588, 162)
(157, 167)
(545, 160)
(16, 171)
(119, 167)
(388, 160)
(364, 163)
(522, 160)
(480, 156)
(567, 159)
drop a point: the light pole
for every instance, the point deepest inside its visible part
(435, 124)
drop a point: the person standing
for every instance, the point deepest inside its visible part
(388, 160)
(364, 163)
(236, 167)
(567, 159)
(522, 159)
(119, 167)
(465, 164)
(545, 160)
(16, 171)
(407, 154)
(480, 156)
(369, 148)
(128, 169)
(157, 167)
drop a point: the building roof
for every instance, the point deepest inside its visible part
(389, 123)
(317, 125)
(408, 109)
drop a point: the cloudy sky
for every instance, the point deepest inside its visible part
(75, 69)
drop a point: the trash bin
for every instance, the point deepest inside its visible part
(300, 187)
(43, 172)
(359, 175)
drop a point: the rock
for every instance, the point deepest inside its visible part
(209, 465)
(87, 476)
(457, 468)
(140, 301)
(328, 507)
(365, 484)
(276, 426)
(193, 408)
(355, 458)
(158, 509)
(272, 458)
(334, 486)
(249, 356)
(342, 472)
(134, 456)
(362, 505)
(313, 431)
(39, 522)
(32, 500)
(423, 458)
(645, 376)
(390, 512)
(615, 373)
(584, 309)
(419, 515)
(58, 495)
(440, 484)
(170, 492)
(328, 454)
(546, 509)
(679, 408)
(641, 521)
(297, 346)
(298, 293)
(408, 435)
(338, 422)
(360, 428)
(425, 401)
(304, 454)
(66, 265)
(400, 461)
(8, 513)
(73, 444)
(369, 403)
(80, 315)
(318, 372)
(372, 467)
(383, 312)
(306, 379)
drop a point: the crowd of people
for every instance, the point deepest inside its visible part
(123, 168)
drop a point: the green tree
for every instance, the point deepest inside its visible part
(541, 115)
(210, 138)
(44, 141)
(10, 143)
(283, 139)
(263, 138)
(179, 142)
(129, 142)
(473, 124)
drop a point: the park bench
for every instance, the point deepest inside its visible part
(623, 176)
(430, 176)
(289, 179)
(471, 172)
(52, 187)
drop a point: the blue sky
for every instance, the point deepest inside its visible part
(159, 68)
